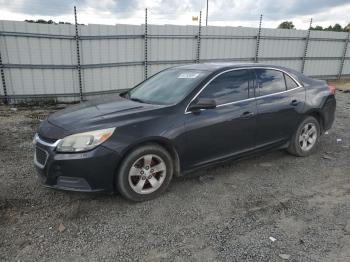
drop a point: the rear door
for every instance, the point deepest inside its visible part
(279, 101)
(229, 128)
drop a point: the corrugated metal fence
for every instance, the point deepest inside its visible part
(43, 61)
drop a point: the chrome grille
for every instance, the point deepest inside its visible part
(40, 156)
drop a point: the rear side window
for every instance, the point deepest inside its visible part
(270, 81)
(229, 87)
(290, 83)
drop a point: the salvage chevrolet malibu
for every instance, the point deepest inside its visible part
(179, 120)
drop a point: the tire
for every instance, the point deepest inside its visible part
(301, 136)
(137, 180)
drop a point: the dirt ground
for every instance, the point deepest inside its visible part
(341, 85)
(275, 207)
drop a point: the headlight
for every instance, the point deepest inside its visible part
(84, 141)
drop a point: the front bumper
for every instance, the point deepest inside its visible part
(89, 171)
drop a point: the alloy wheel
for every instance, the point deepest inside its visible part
(147, 174)
(308, 136)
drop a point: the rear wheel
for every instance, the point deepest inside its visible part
(305, 139)
(145, 173)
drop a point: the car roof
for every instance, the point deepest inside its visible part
(212, 67)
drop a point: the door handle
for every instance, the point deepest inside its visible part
(247, 114)
(295, 102)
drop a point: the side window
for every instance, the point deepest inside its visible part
(229, 87)
(290, 83)
(270, 81)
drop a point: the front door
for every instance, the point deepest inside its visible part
(229, 128)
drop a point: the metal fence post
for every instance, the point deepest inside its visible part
(3, 81)
(343, 57)
(78, 54)
(199, 37)
(206, 17)
(306, 46)
(146, 46)
(258, 41)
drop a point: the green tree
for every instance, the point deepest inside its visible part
(337, 28)
(318, 27)
(42, 21)
(64, 23)
(286, 25)
(347, 27)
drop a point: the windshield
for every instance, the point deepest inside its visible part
(167, 87)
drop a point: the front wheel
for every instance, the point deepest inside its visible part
(305, 139)
(145, 173)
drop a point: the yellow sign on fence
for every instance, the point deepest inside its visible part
(194, 18)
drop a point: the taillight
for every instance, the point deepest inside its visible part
(331, 89)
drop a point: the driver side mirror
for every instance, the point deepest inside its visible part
(202, 103)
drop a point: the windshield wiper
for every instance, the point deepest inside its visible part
(136, 99)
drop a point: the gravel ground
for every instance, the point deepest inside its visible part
(226, 213)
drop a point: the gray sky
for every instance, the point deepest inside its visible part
(221, 12)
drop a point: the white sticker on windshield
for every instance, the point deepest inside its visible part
(188, 75)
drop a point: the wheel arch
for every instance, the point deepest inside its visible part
(318, 115)
(160, 141)
(324, 112)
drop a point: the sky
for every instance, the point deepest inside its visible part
(221, 12)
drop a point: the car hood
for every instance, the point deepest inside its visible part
(94, 113)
